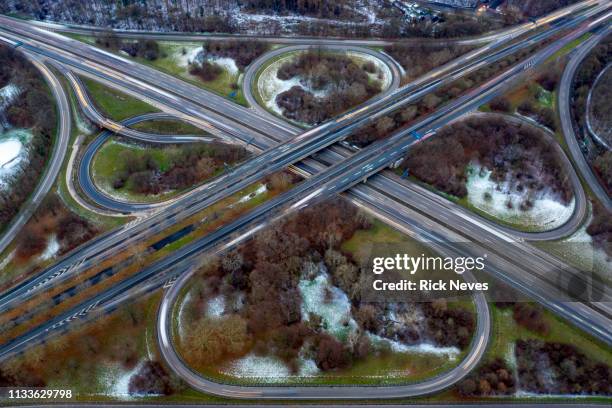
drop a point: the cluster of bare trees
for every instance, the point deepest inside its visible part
(262, 314)
(188, 165)
(152, 379)
(536, 8)
(386, 125)
(420, 58)
(241, 51)
(493, 378)
(600, 228)
(512, 152)
(592, 65)
(34, 109)
(569, 370)
(148, 49)
(347, 84)
(267, 271)
(318, 8)
(52, 217)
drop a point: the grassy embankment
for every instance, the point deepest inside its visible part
(168, 62)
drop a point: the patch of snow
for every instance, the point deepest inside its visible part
(228, 64)
(422, 348)
(8, 94)
(260, 190)
(547, 213)
(268, 368)
(192, 55)
(10, 150)
(215, 306)
(181, 311)
(321, 298)
(52, 249)
(115, 381)
(255, 367)
(7, 259)
(269, 86)
(13, 152)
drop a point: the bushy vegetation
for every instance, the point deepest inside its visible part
(493, 378)
(34, 109)
(556, 368)
(259, 282)
(600, 228)
(346, 84)
(418, 59)
(52, 217)
(586, 74)
(241, 51)
(186, 166)
(147, 49)
(386, 125)
(516, 153)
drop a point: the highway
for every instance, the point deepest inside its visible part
(361, 166)
(339, 178)
(588, 119)
(254, 67)
(563, 101)
(409, 93)
(88, 107)
(78, 260)
(56, 159)
(301, 40)
(98, 196)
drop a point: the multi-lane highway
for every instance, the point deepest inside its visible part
(524, 266)
(564, 101)
(78, 260)
(339, 178)
(103, 199)
(301, 40)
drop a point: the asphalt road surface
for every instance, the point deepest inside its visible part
(564, 100)
(55, 161)
(61, 269)
(101, 198)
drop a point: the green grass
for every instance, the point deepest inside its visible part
(569, 47)
(167, 62)
(109, 161)
(506, 332)
(167, 127)
(115, 104)
(380, 369)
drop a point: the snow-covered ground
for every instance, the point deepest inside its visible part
(8, 94)
(194, 53)
(269, 86)
(422, 348)
(115, 381)
(215, 306)
(321, 298)
(13, 152)
(490, 197)
(52, 249)
(578, 250)
(270, 369)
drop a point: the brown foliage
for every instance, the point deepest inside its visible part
(519, 153)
